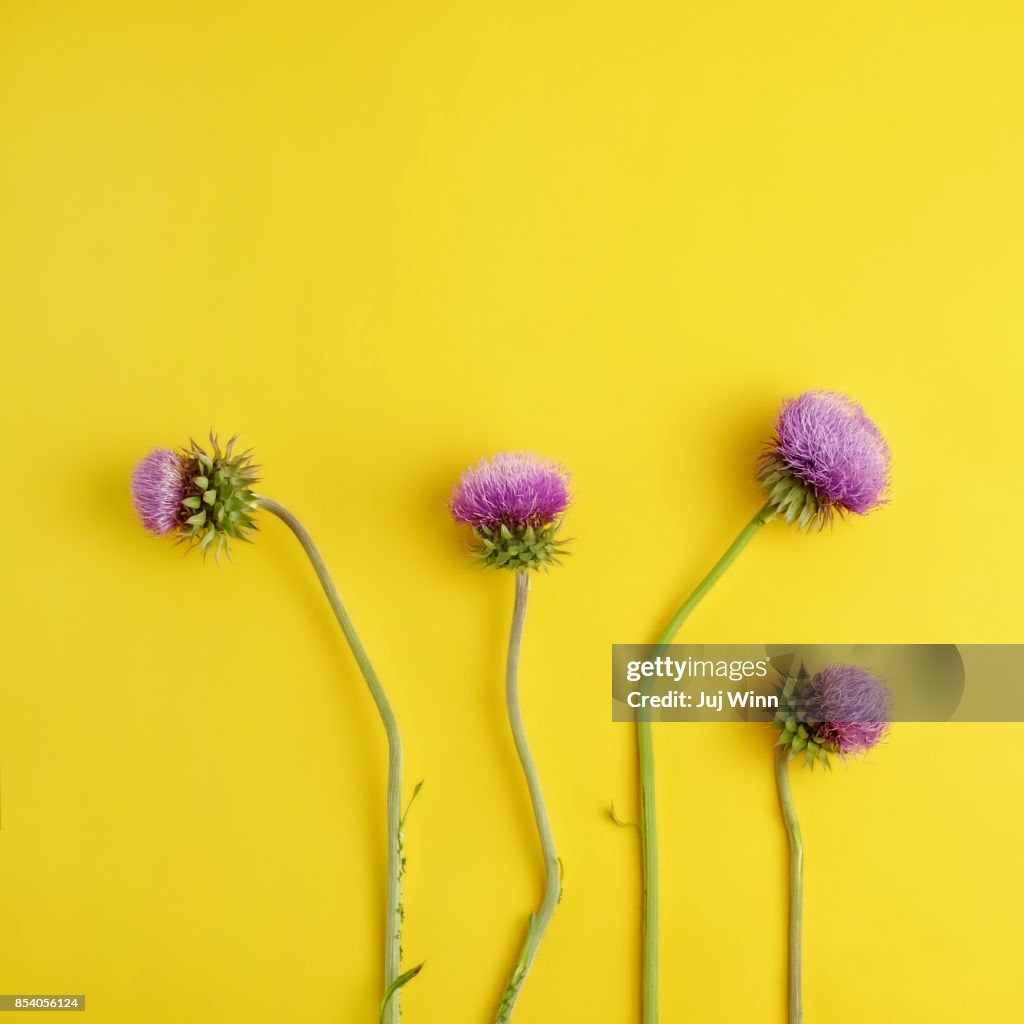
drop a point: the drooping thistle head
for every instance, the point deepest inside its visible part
(514, 503)
(841, 709)
(204, 499)
(826, 457)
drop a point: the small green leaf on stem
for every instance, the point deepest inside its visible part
(412, 799)
(402, 979)
(621, 822)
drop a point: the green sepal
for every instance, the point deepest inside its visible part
(798, 730)
(789, 497)
(518, 546)
(219, 493)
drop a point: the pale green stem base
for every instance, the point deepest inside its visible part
(645, 751)
(796, 885)
(393, 908)
(539, 921)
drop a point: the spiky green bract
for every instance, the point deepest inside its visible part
(789, 497)
(796, 730)
(219, 500)
(518, 547)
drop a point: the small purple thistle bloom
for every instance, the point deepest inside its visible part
(849, 706)
(159, 483)
(512, 488)
(828, 442)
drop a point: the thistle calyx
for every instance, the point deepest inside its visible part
(519, 546)
(218, 501)
(789, 497)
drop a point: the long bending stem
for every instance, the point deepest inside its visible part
(393, 910)
(645, 750)
(552, 882)
(796, 883)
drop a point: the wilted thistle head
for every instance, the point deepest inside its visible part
(514, 502)
(827, 456)
(202, 498)
(841, 709)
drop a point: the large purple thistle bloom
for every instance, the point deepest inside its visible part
(848, 708)
(512, 488)
(828, 442)
(159, 483)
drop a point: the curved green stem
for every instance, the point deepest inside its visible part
(539, 921)
(393, 908)
(645, 751)
(796, 884)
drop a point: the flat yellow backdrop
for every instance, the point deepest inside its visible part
(381, 241)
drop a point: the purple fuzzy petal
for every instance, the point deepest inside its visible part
(829, 443)
(853, 706)
(158, 488)
(510, 488)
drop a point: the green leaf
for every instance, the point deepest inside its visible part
(201, 482)
(798, 744)
(198, 519)
(402, 979)
(408, 806)
(193, 501)
(210, 497)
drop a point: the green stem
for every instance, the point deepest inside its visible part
(796, 883)
(539, 921)
(393, 909)
(645, 750)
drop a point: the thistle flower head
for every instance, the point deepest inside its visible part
(159, 484)
(841, 709)
(514, 502)
(826, 457)
(203, 498)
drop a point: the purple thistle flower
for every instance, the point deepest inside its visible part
(511, 489)
(159, 485)
(828, 443)
(848, 708)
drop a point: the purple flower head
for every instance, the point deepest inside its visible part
(828, 443)
(510, 489)
(159, 484)
(847, 708)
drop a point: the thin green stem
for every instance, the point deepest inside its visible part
(796, 884)
(393, 907)
(764, 515)
(645, 751)
(539, 921)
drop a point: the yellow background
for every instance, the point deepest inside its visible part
(381, 241)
